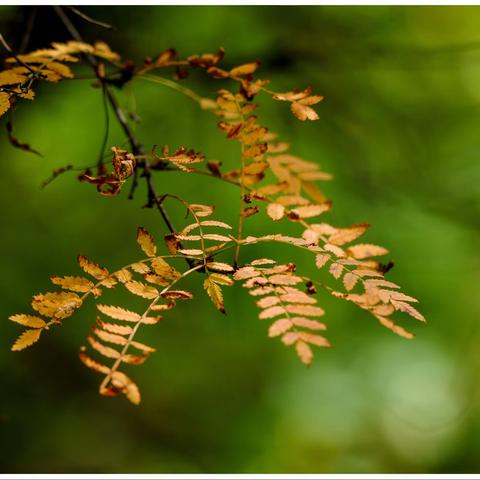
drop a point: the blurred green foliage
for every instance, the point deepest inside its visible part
(398, 129)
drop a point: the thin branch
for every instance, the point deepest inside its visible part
(10, 51)
(107, 128)
(28, 30)
(90, 19)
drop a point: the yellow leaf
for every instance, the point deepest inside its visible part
(309, 211)
(307, 310)
(267, 302)
(307, 323)
(408, 309)
(275, 211)
(61, 69)
(303, 112)
(156, 279)
(74, 283)
(245, 69)
(201, 210)
(119, 313)
(103, 349)
(221, 279)
(190, 251)
(245, 272)
(219, 266)
(90, 363)
(114, 328)
(163, 269)
(256, 151)
(284, 279)
(215, 293)
(127, 387)
(11, 77)
(28, 320)
(216, 237)
(27, 338)
(297, 297)
(4, 102)
(101, 49)
(91, 268)
(279, 327)
(336, 269)
(255, 168)
(56, 304)
(140, 267)
(292, 96)
(315, 175)
(314, 339)
(272, 312)
(123, 275)
(321, 259)
(349, 280)
(366, 250)
(141, 289)
(386, 322)
(304, 352)
(50, 76)
(119, 340)
(345, 235)
(30, 95)
(146, 242)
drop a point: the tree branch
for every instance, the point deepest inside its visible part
(135, 145)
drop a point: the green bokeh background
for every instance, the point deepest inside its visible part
(399, 129)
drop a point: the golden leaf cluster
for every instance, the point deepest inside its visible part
(270, 178)
(48, 64)
(293, 309)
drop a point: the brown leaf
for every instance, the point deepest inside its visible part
(16, 142)
(178, 294)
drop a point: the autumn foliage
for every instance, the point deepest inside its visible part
(271, 181)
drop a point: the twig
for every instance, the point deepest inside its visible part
(107, 127)
(10, 51)
(28, 30)
(90, 19)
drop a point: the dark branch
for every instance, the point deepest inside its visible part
(136, 146)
